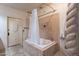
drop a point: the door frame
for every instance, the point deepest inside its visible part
(8, 29)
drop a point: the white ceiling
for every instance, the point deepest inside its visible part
(22, 6)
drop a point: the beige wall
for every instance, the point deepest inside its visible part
(61, 9)
(51, 31)
(54, 27)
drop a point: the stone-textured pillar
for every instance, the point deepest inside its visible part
(34, 28)
(72, 30)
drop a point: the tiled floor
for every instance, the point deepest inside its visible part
(59, 53)
(16, 51)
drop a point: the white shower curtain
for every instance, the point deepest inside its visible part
(34, 28)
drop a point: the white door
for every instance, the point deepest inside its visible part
(14, 32)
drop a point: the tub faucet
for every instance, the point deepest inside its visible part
(62, 37)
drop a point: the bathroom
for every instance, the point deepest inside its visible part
(37, 30)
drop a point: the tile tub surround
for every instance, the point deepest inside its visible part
(34, 50)
(49, 27)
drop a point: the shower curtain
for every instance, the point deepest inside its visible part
(72, 30)
(34, 28)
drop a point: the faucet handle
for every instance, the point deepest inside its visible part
(62, 37)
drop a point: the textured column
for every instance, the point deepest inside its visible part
(72, 30)
(34, 28)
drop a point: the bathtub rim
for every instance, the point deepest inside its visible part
(40, 48)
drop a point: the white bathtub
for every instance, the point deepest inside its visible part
(46, 47)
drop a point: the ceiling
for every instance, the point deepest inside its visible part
(22, 6)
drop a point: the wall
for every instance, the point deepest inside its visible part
(49, 27)
(44, 27)
(54, 27)
(61, 9)
(7, 11)
(3, 30)
(51, 20)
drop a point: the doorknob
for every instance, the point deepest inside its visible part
(8, 33)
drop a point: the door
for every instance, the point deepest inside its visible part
(14, 32)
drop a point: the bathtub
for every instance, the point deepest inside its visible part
(45, 48)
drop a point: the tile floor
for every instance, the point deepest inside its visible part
(59, 53)
(18, 51)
